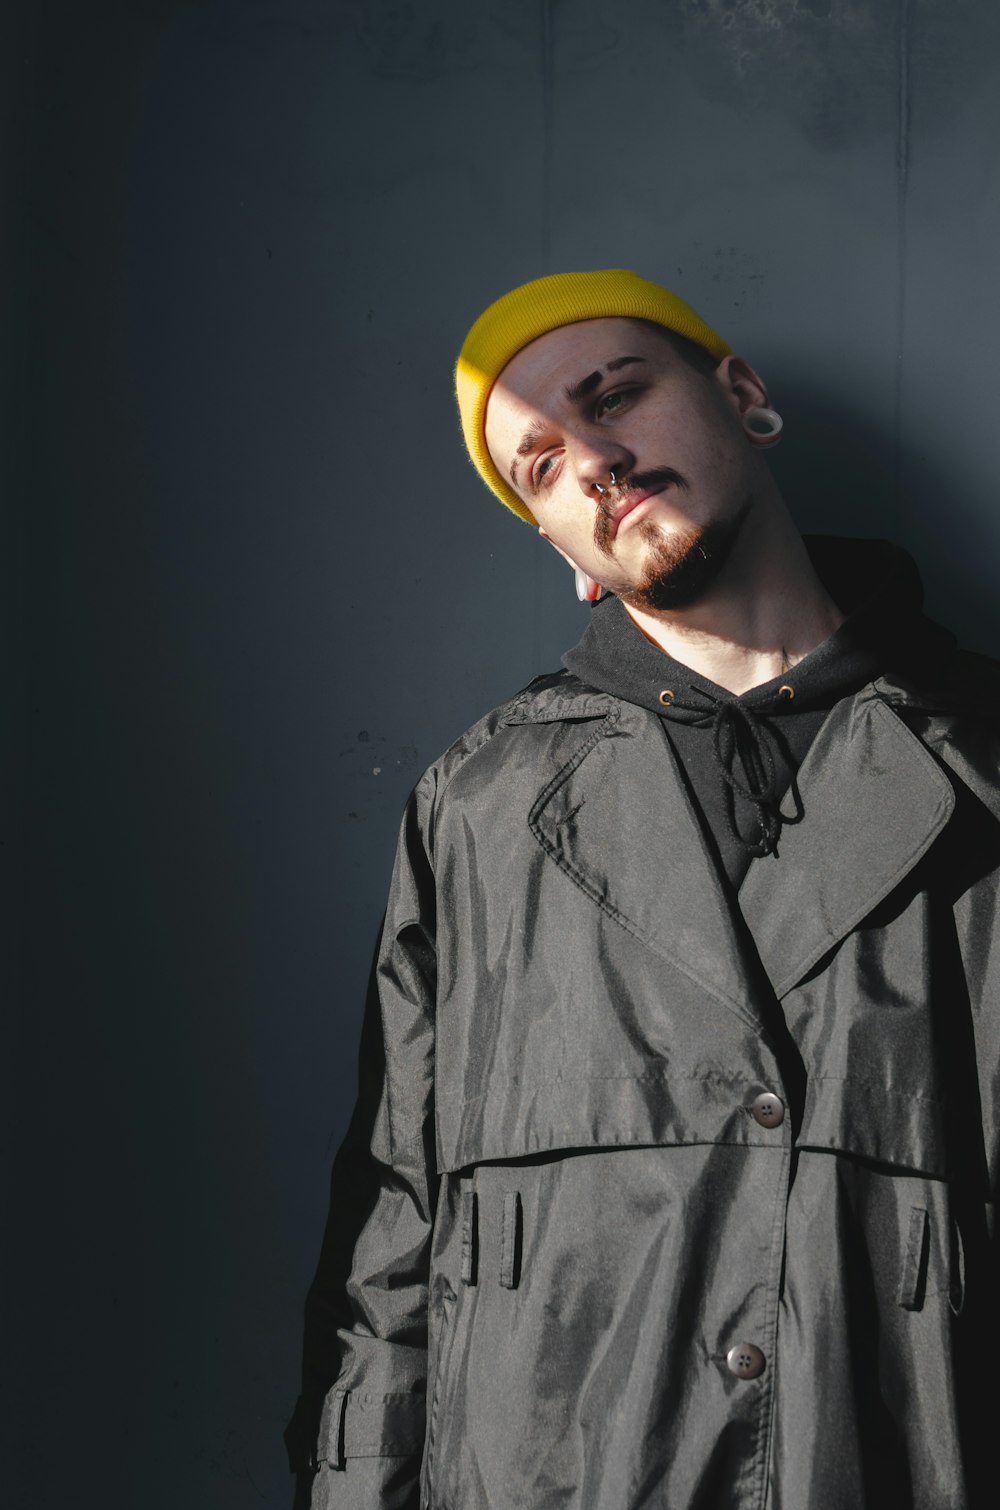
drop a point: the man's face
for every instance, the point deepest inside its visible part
(614, 396)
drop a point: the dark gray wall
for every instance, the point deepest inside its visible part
(260, 587)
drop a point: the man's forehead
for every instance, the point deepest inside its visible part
(560, 366)
(596, 341)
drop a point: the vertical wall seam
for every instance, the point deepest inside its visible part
(904, 18)
(548, 48)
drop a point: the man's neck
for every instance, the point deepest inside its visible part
(765, 611)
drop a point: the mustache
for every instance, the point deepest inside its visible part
(636, 482)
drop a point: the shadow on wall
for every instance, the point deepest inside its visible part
(841, 475)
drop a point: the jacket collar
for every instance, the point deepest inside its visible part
(617, 819)
(557, 698)
(873, 800)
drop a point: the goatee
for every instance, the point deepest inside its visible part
(681, 567)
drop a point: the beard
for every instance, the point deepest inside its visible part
(678, 568)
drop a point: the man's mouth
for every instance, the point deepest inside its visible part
(630, 503)
(613, 514)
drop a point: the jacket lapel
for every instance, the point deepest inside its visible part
(873, 801)
(617, 819)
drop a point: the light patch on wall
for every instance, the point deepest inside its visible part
(440, 37)
(769, 15)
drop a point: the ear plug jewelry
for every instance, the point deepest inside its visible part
(757, 416)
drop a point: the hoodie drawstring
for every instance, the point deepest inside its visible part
(739, 733)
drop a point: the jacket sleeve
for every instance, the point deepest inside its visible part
(356, 1439)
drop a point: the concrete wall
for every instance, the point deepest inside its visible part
(261, 587)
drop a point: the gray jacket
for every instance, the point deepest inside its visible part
(650, 1199)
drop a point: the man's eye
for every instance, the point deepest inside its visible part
(544, 466)
(610, 403)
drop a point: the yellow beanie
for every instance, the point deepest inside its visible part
(526, 313)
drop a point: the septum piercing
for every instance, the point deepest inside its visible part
(614, 483)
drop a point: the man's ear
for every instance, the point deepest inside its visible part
(588, 589)
(743, 387)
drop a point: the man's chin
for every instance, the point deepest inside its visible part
(680, 568)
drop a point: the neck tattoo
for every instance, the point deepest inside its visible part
(786, 664)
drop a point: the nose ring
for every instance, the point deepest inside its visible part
(601, 491)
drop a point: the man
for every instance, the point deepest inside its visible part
(672, 1176)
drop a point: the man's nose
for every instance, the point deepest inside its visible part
(602, 466)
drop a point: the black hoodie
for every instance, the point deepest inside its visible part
(740, 755)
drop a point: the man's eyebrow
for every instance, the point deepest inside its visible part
(526, 444)
(577, 391)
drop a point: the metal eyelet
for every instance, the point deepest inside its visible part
(666, 697)
(786, 692)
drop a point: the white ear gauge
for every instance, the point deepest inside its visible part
(763, 426)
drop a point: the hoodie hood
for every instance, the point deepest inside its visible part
(740, 754)
(876, 586)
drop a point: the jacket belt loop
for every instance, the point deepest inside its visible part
(470, 1237)
(331, 1429)
(510, 1243)
(914, 1276)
